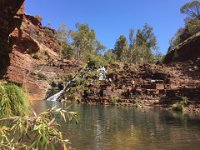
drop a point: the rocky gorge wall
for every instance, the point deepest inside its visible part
(29, 57)
(145, 85)
(28, 52)
(34, 60)
(10, 18)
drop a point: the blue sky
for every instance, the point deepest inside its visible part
(111, 18)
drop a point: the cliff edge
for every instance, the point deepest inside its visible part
(187, 50)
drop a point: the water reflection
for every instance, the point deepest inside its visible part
(113, 128)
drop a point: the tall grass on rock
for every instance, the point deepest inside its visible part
(5, 108)
(13, 100)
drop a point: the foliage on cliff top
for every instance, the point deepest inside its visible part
(192, 23)
(140, 48)
(191, 9)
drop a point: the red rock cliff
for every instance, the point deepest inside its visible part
(187, 50)
(10, 18)
(28, 53)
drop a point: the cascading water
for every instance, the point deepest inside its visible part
(56, 96)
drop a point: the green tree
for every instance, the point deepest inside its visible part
(193, 26)
(131, 46)
(99, 47)
(110, 55)
(61, 36)
(149, 37)
(84, 41)
(131, 38)
(192, 9)
(192, 23)
(158, 56)
(140, 49)
(176, 39)
(145, 44)
(68, 51)
(121, 48)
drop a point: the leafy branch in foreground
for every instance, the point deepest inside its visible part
(34, 132)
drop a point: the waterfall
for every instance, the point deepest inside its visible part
(56, 96)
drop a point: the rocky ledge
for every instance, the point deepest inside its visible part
(142, 85)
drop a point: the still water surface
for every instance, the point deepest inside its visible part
(114, 128)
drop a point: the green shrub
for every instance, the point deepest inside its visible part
(79, 81)
(110, 56)
(114, 100)
(70, 76)
(176, 38)
(184, 101)
(193, 26)
(177, 106)
(41, 76)
(39, 18)
(138, 103)
(181, 104)
(197, 62)
(49, 31)
(13, 100)
(96, 60)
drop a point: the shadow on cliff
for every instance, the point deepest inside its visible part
(10, 18)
